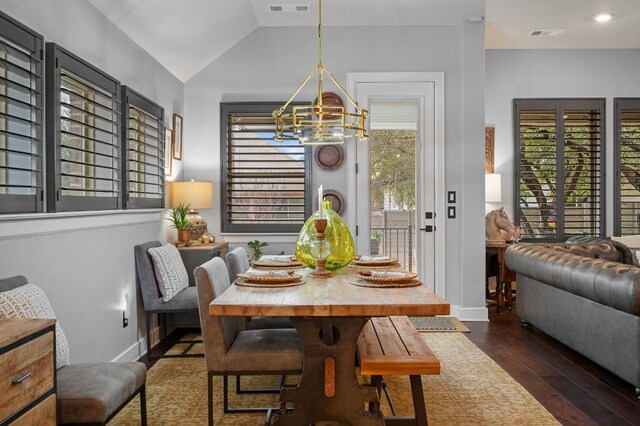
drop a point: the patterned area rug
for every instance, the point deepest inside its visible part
(472, 389)
(439, 324)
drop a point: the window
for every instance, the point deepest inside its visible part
(627, 166)
(83, 135)
(143, 161)
(560, 167)
(21, 117)
(265, 184)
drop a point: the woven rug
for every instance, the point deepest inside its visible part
(439, 324)
(471, 390)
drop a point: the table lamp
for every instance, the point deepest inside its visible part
(197, 195)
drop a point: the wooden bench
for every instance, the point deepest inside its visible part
(392, 346)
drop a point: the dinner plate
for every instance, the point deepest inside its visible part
(409, 276)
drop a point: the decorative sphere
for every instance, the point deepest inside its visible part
(337, 234)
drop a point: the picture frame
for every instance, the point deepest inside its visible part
(168, 152)
(177, 137)
(489, 148)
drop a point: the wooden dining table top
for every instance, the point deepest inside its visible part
(328, 297)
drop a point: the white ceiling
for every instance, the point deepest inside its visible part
(187, 35)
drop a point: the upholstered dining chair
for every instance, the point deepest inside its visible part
(93, 393)
(184, 304)
(229, 350)
(238, 262)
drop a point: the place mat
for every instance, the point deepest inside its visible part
(363, 283)
(391, 261)
(439, 324)
(244, 283)
(271, 279)
(409, 276)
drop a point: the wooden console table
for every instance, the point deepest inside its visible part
(194, 256)
(504, 277)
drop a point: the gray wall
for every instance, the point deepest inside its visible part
(269, 64)
(550, 74)
(85, 263)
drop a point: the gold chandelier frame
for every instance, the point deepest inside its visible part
(327, 124)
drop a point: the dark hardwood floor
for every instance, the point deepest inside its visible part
(575, 390)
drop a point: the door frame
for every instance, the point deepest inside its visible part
(437, 79)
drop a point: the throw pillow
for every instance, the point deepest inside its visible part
(29, 301)
(169, 270)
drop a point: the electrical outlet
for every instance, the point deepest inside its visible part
(125, 320)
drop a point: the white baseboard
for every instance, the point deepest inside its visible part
(138, 349)
(470, 314)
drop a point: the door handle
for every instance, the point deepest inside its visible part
(428, 228)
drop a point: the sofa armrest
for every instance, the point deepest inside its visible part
(609, 283)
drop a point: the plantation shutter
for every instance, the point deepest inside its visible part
(144, 136)
(265, 183)
(627, 158)
(21, 118)
(560, 173)
(83, 134)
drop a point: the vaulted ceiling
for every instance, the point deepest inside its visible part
(187, 35)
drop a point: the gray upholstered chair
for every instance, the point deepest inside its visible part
(184, 304)
(93, 393)
(238, 262)
(232, 351)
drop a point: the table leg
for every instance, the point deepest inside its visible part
(322, 338)
(509, 295)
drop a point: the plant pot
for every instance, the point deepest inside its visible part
(184, 235)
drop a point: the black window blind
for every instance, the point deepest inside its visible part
(627, 166)
(265, 184)
(21, 118)
(560, 168)
(83, 128)
(144, 136)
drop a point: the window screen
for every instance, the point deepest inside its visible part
(627, 163)
(21, 118)
(560, 168)
(265, 184)
(144, 136)
(83, 129)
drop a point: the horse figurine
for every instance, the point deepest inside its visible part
(495, 221)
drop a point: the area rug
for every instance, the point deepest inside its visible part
(471, 390)
(439, 324)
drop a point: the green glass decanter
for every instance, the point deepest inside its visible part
(343, 249)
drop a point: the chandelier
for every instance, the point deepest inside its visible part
(320, 123)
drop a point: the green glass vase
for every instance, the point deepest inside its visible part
(343, 249)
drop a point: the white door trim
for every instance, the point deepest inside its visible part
(437, 78)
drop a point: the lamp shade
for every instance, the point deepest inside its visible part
(492, 188)
(197, 195)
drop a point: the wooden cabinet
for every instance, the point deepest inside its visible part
(27, 376)
(194, 256)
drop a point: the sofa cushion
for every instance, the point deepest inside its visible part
(169, 269)
(29, 301)
(90, 393)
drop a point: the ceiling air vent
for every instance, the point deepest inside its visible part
(289, 8)
(546, 33)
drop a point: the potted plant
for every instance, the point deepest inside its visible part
(178, 219)
(256, 246)
(374, 241)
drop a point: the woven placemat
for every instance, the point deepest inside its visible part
(279, 268)
(363, 283)
(269, 285)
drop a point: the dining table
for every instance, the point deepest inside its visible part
(329, 315)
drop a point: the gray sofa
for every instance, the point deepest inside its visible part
(587, 296)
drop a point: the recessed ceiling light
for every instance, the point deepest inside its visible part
(603, 17)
